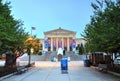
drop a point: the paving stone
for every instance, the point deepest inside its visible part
(51, 71)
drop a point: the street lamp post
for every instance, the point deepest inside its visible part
(29, 46)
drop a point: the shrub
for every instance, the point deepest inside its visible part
(40, 53)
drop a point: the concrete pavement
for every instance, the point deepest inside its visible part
(51, 71)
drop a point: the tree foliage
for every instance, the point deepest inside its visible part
(103, 31)
(32, 42)
(12, 33)
(81, 49)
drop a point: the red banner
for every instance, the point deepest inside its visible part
(65, 42)
(54, 43)
(59, 44)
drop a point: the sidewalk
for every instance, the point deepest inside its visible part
(110, 72)
(51, 71)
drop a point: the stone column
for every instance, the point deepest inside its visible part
(62, 42)
(51, 44)
(68, 44)
(56, 43)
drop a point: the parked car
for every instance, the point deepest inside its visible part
(117, 60)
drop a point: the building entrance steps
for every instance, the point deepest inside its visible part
(70, 54)
(48, 55)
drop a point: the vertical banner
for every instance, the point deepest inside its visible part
(71, 41)
(46, 43)
(49, 42)
(60, 43)
(54, 43)
(65, 42)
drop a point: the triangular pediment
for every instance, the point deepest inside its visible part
(59, 31)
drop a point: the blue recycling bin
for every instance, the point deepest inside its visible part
(64, 65)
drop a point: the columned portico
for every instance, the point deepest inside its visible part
(59, 38)
(59, 41)
(62, 42)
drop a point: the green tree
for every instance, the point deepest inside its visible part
(103, 31)
(32, 43)
(12, 33)
(81, 49)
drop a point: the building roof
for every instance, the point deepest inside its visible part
(60, 31)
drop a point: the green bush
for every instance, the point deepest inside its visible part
(40, 53)
(0, 56)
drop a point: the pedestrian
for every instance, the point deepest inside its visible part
(17, 58)
(18, 61)
(64, 52)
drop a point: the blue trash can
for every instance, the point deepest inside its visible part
(64, 65)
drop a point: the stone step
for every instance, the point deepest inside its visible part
(49, 55)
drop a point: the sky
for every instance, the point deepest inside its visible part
(48, 15)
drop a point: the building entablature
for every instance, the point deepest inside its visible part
(60, 33)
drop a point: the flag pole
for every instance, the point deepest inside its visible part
(31, 31)
(32, 28)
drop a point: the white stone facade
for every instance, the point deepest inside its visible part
(60, 38)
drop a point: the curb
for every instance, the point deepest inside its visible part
(110, 72)
(9, 75)
(114, 73)
(4, 77)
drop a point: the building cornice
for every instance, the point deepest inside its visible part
(59, 31)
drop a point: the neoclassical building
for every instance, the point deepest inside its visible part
(60, 38)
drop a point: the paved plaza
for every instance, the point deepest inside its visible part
(51, 71)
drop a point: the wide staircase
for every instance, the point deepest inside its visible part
(48, 55)
(72, 55)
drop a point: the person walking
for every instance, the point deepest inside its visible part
(64, 52)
